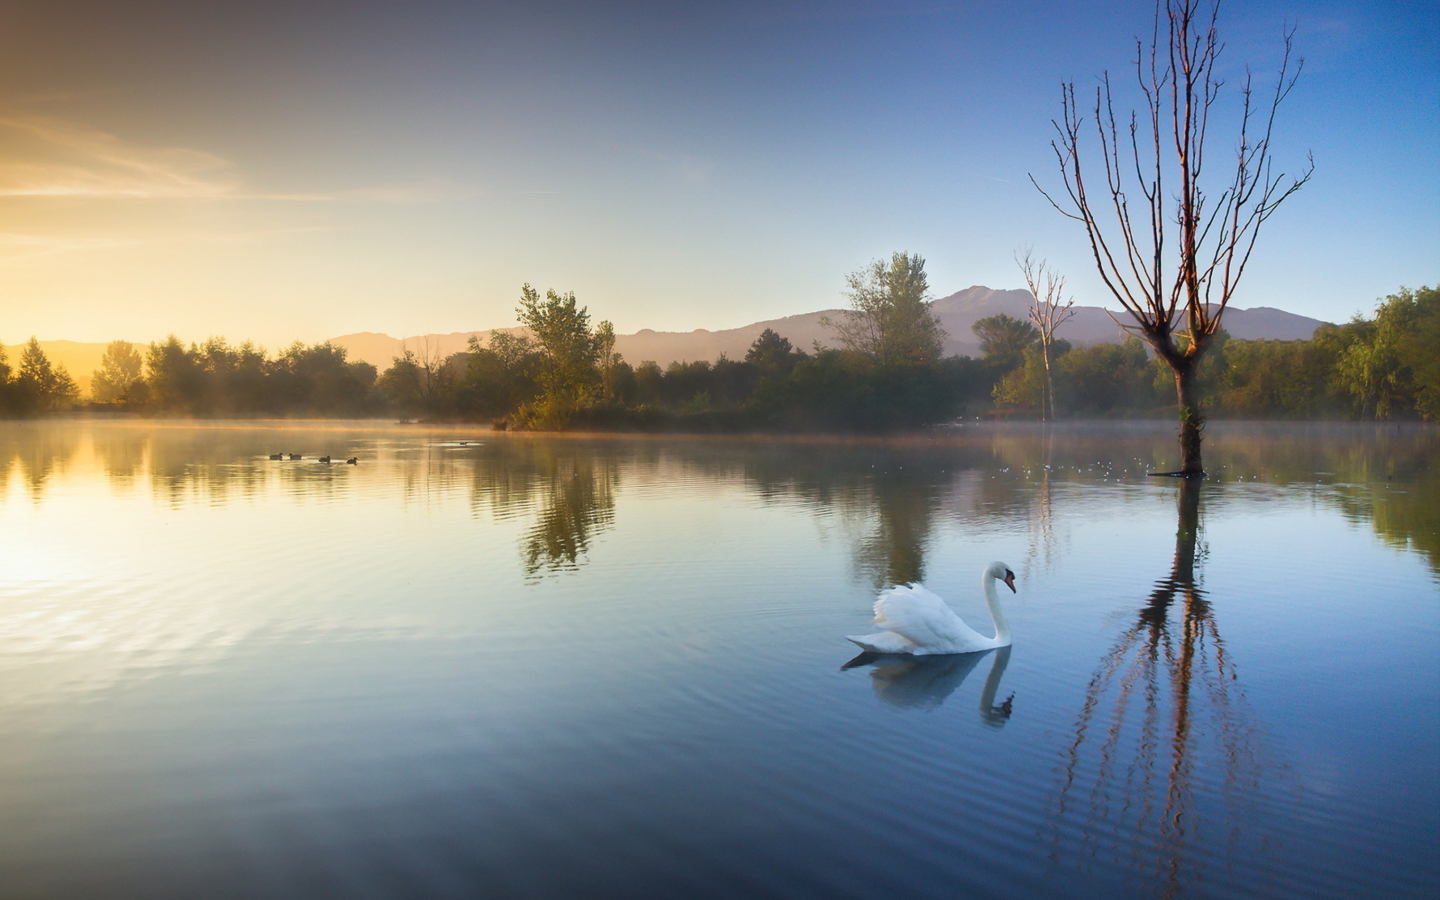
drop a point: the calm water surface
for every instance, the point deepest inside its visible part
(489, 665)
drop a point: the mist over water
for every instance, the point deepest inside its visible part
(479, 664)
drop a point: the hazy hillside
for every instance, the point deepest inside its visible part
(956, 312)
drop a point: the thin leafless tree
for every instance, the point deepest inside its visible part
(1047, 312)
(1170, 249)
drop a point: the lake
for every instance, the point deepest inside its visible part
(478, 664)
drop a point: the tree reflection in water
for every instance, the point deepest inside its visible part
(577, 504)
(1166, 686)
(924, 682)
(570, 490)
(904, 511)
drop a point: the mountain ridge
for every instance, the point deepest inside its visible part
(956, 312)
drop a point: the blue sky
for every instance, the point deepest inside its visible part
(281, 171)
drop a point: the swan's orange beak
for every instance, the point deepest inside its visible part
(1010, 581)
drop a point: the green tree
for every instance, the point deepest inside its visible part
(501, 377)
(1104, 379)
(1421, 351)
(235, 379)
(175, 378)
(43, 387)
(1388, 364)
(890, 321)
(9, 401)
(121, 369)
(569, 375)
(607, 357)
(1028, 387)
(1277, 379)
(1004, 340)
(318, 379)
(773, 354)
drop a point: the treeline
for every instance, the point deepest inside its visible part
(887, 374)
(565, 374)
(1385, 367)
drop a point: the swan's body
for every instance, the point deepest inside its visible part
(917, 622)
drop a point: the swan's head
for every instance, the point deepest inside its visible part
(1001, 572)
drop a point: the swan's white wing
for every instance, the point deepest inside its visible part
(922, 618)
(884, 642)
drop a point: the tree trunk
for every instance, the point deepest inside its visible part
(1047, 403)
(1192, 420)
(1187, 530)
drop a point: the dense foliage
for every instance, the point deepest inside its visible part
(36, 386)
(1387, 367)
(565, 374)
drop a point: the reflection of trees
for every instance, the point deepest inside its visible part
(37, 451)
(904, 503)
(924, 682)
(1165, 686)
(121, 451)
(1042, 519)
(577, 504)
(569, 487)
(887, 496)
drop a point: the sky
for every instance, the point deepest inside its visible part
(280, 171)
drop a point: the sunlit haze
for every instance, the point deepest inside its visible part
(280, 171)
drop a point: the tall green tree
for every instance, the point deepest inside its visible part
(43, 387)
(174, 375)
(1004, 340)
(889, 320)
(121, 370)
(501, 377)
(772, 355)
(608, 359)
(569, 354)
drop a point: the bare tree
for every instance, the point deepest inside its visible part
(1047, 312)
(1175, 293)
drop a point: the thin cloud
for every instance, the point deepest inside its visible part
(51, 158)
(44, 157)
(19, 248)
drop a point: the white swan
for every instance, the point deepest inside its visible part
(917, 622)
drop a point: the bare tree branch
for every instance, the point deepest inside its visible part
(1174, 285)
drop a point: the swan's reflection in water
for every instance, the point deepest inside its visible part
(924, 682)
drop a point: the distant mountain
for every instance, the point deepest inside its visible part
(956, 312)
(1092, 324)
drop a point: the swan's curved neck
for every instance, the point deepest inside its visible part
(997, 613)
